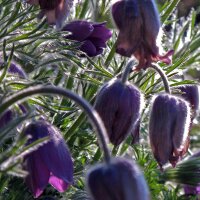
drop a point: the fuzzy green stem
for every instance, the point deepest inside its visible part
(92, 114)
(158, 69)
(128, 69)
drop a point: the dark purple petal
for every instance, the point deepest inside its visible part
(121, 179)
(89, 48)
(39, 174)
(80, 30)
(101, 32)
(49, 5)
(98, 42)
(58, 183)
(57, 157)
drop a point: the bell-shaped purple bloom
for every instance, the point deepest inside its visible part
(191, 94)
(169, 128)
(119, 180)
(119, 105)
(138, 23)
(50, 163)
(56, 11)
(93, 36)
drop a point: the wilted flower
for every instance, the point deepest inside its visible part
(139, 24)
(50, 163)
(169, 128)
(119, 105)
(56, 11)
(92, 35)
(121, 179)
(191, 94)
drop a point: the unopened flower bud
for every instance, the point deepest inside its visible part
(119, 105)
(169, 128)
(121, 179)
(139, 24)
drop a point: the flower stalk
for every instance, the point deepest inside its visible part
(129, 67)
(92, 114)
(158, 69)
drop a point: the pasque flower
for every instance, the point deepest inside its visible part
(56, 11)
(139, 24)
(191, 94)
(50, 163)
(119, 105)
(93, 36)
(121, 179)
(169, 128)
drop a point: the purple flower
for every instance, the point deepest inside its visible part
(50, 163)
(93, 36)
(121, 179)
(56, 11)
(119, 105)
(169, 128)
(138, 23)
(191, 94)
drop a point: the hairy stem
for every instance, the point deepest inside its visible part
(128, 69)
(92, 114)
(158, 69)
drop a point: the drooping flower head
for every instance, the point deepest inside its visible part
(121, 179)
(139, 24)
(56, 11)
(119, 105)
(169, 128)
(92, 35)
(50, 163)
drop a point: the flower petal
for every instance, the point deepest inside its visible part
(80, 30)
(59, 184)
(38, 176)
(89, 48)
(101, 32)
(57, 157)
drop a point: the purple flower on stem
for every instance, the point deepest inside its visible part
(169, 128)
(139, 24)
(93, 36)
(119, 105)
(191, 94)
(121, 179)
(56, 11)
(50, 163)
